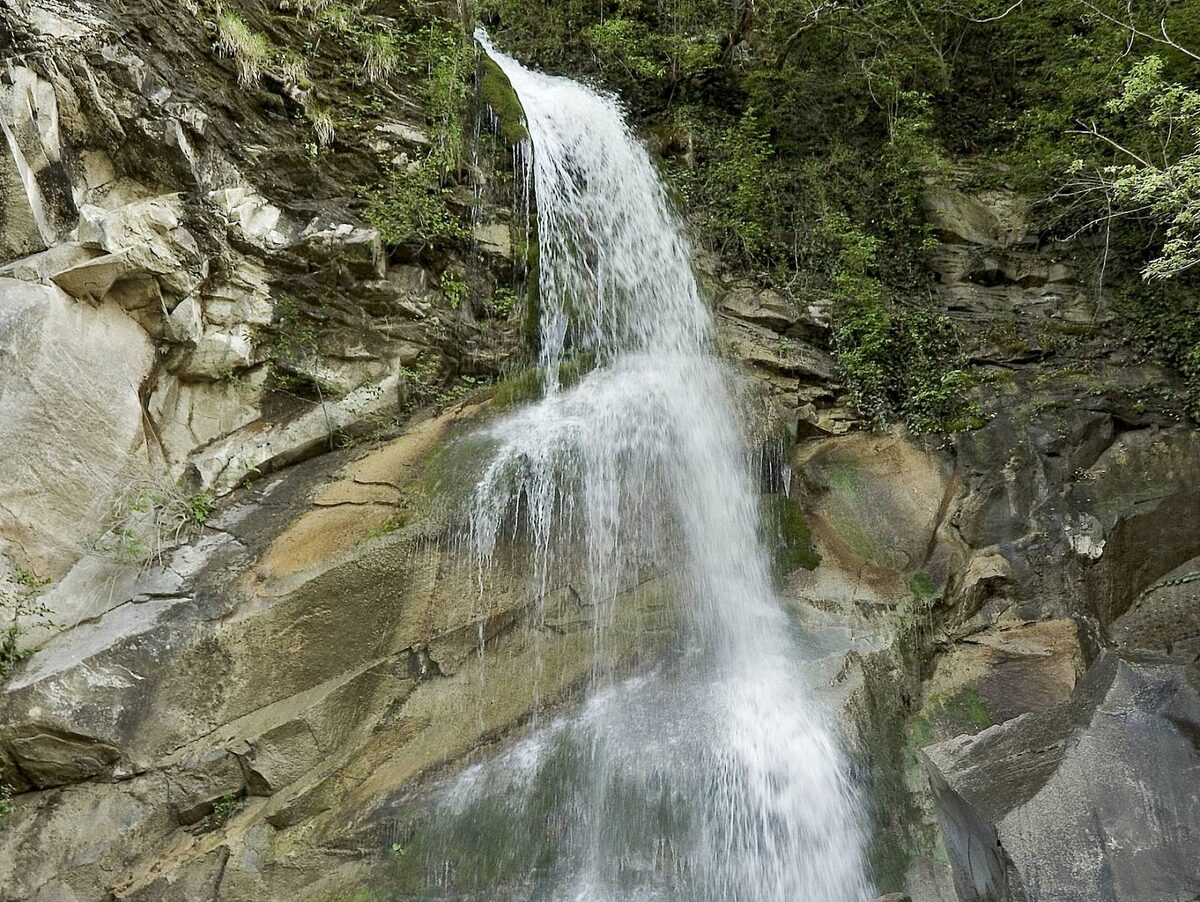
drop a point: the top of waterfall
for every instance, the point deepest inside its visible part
(615, 265)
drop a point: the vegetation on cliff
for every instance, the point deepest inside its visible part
(802, 134)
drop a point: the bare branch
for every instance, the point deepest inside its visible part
(1133, 29)
(1170, 42)
(1091, 129)
(1012, 8)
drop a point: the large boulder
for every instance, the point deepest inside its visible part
(1093, 799)
(37, 208)
(877, 503)
(1142, 500)
(70, 417)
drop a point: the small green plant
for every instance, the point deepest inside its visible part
(23, 576)
(454, 289)
(18, 607)
(223, 809)
(250, 50)
(201, 506)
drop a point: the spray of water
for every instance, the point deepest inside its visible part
(717, 777)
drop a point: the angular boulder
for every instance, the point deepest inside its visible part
(1094, 799)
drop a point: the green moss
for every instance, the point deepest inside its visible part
(528, 383)
(395, 522)
(503, 101)
(788, 535)
(967, 707)
(921, 586)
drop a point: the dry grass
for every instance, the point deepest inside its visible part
(250, 50)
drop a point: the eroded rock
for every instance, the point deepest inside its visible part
(1091, 799)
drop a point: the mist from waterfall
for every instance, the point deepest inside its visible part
(714, 776)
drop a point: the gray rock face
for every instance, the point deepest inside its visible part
(1095, 799)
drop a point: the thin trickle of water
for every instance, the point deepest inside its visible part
(715, 776)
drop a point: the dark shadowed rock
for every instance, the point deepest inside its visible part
(1094, 799)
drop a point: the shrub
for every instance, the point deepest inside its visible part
(411, 206)
(19, 606)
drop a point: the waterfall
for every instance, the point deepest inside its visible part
(714, 776)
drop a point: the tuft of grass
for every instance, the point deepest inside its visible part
(294, 69)
(250, 50)
(339, 18)
(322, 123)
(381, 55)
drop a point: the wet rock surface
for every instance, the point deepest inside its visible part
(1090, 799)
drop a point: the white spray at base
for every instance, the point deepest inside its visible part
(750, 792)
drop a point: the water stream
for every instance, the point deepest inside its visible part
(713, 775)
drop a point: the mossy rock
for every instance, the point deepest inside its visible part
(497, 92)
(787, 531)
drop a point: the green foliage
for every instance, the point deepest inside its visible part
(449, 65)
(898, 360)
(201, 506)
(1166, 322)
(412, 207)
(739, 181)
(782, 120)
(503, 302)
(1167, 193)
(19, 606)
(455, 290)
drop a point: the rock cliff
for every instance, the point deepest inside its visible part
(239, 394)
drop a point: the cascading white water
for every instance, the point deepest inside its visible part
(716, 777)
